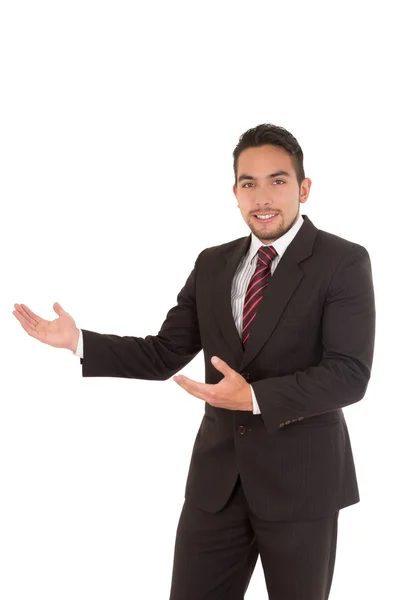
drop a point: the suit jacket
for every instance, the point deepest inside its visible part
(309, 355)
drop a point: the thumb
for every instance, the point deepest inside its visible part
(222, 366)
(58, 309)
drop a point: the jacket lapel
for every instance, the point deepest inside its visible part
(222, 288)
(278, 293)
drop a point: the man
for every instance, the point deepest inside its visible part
(286, 320)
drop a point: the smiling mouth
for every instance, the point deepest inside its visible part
(265, 218)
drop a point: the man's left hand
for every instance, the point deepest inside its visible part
(232, 392)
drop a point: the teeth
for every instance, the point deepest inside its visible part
(265, 216)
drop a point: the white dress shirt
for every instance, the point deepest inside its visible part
(240, 282)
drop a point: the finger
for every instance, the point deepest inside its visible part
(223, 367)
(21, 310)
(196, 395)
(28, 314)
(204, 391)
(190, 384)
(26, 325)
(58, 308)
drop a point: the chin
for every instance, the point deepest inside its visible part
(269, 234)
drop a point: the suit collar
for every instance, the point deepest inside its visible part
(222, 286)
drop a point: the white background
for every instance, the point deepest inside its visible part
(118, 121)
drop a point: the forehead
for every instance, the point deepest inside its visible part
(263, 159)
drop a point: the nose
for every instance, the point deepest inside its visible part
(263, 202)
(262, 197)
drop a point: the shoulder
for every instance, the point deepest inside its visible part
(227, 247)
(340, 262)
(328, 245)
(325, 255)
(224, 249)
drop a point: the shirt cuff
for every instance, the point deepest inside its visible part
(80, 346)
(256, 410)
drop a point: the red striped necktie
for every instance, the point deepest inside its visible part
(254, 294)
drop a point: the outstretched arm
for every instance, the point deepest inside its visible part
(153, 357)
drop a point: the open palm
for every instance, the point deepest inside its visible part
(60, 333)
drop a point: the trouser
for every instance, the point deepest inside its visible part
(215, 554)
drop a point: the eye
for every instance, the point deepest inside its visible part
(247, 184)
(279, 181)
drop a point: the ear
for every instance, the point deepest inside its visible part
(305, 190)
(235, 193)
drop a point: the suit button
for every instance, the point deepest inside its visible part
(241, 429)
(300, 418)
(287, 422)
(281, 424)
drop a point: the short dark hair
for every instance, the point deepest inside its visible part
(269, 134)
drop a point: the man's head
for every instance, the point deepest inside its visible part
(269, 180)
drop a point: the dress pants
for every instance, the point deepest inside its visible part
(215, 554)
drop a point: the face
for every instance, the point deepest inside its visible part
(267, 186)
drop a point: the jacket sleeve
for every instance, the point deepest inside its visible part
(342, 375)
(155, 357)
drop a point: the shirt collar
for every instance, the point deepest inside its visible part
(280, 245)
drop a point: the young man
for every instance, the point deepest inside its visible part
(286, 320)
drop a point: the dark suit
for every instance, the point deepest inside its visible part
(309, 355)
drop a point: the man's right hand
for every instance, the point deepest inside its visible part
(60, 333)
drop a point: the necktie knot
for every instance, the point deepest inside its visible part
(266, 255)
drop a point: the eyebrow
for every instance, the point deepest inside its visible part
(270, 176)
